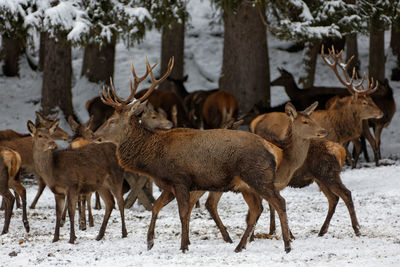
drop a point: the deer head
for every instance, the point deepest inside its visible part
(127, 111)
(59, 133)
(359, 98)
(303, 124)
(43, 138)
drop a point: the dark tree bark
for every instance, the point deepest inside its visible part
(173, 44)
(42, 50)
(377, 49)
(352, 49)
(395, 45)
(11, 50)
(57, 71)
(98, 62)
(310, 63)
(245, 67)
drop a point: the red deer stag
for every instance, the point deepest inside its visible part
(234, 160)
(23, 146)
(10, 163)
(298, 133)
(73, 172)
(83, 135)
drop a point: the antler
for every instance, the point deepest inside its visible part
(109, 96)
(155, 82)
(354, 89)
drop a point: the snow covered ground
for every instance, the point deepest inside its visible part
(375, 190)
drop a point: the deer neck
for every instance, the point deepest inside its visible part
(346, 124)
(294, 155)
(43, 161)
(137, 146)
(292, 90)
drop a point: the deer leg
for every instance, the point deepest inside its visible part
(356, 152)
(109, 202)
(165, 198)
(364, 148)
(339, 189)
(272, 226)
(17, 186)
(97, 205)
(89, 208)
(72, 198)
(212, 205)
(60, 199)
(41, 187)
(64, 213)
(332, 200)
(255, 210)
(378, 132)
(82, 211)
(348, 155)
(17, 200)
(8, 201)
(371, 139)
(120, 202)
(182, 195)
(279, 204)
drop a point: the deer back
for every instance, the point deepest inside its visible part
(218, 109)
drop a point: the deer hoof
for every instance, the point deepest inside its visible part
(287, 250)
(228, 240)
(184, 249)
(27, 228)
(239, 248)
(150, 245)
(55, 239)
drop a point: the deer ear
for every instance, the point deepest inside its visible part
(39, 117)
(137, 108)
(54, 126)
(311, 108)
(74, 125)
(31, 127)
(291, 111)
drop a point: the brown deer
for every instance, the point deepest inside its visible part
(325, 158)
(73, 172)
(218, 109)
(10, 163)
(83, 135)
(300, 129)
(11, 134)
(225, 159)
(23, 146)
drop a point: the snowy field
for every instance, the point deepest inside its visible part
(375, 190)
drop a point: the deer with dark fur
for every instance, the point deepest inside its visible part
(23, 146)
(70, 173)
(234, 160)
(10, 163)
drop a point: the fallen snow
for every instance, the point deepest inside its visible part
(375, 190)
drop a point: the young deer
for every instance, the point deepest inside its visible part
(325, 158)
(73, 172)
(23, 146)
(10, 163)
(225, 159)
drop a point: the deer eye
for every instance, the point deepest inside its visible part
(153, 117)
(305, 122)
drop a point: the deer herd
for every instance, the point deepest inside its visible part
(188, 144)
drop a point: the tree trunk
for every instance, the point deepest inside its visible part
(395, 45)
(57, 71)
(377, 49)
(42, 50)
(98, 62)
(245, 66)
(352, 49)
(173, 44)
(11, 50)
(310, 62)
